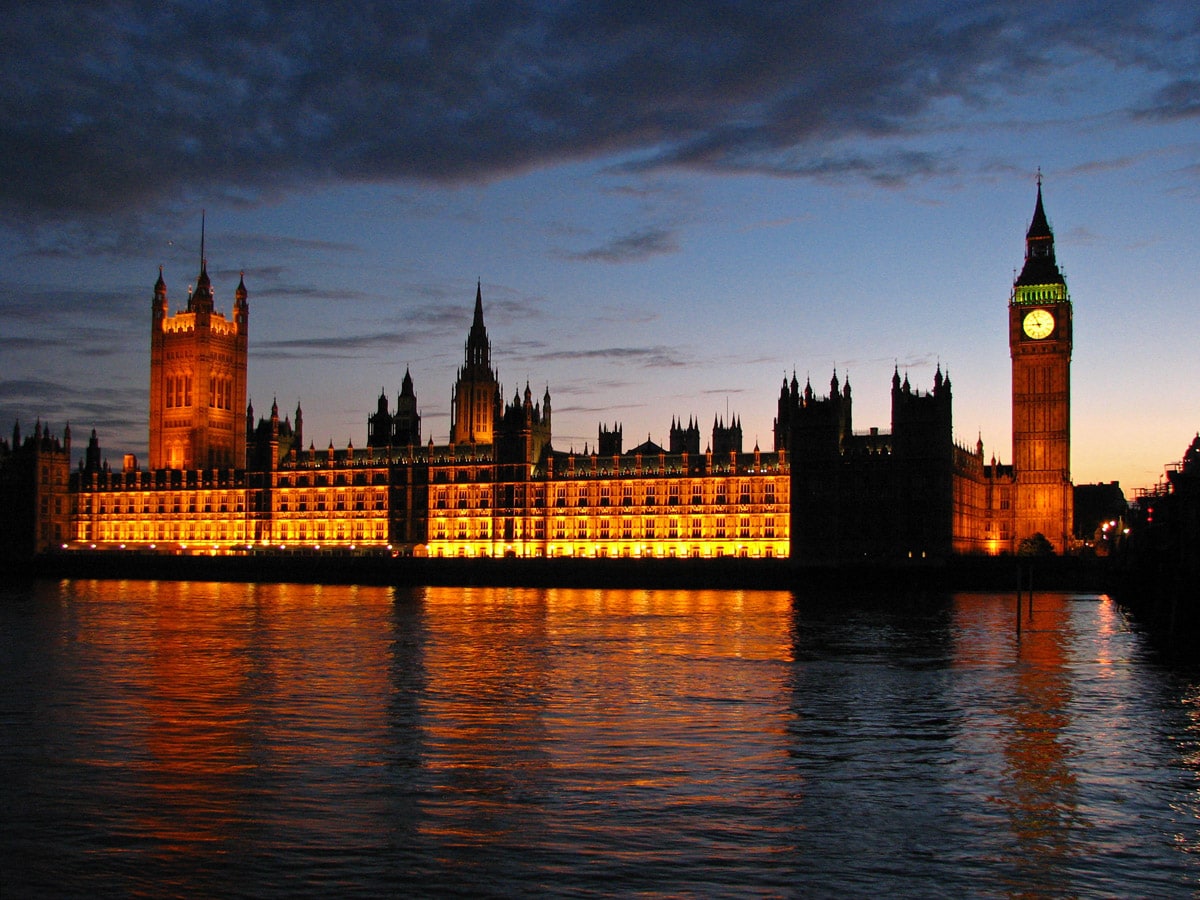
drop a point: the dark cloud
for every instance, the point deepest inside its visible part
(351, 346)
(631, 247)
(309, 293)
(30, 388)
(135, 105)
(659, 357)
(1178, 100)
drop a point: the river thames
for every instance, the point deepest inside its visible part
(207, 739)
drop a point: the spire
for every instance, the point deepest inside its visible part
(159, 303)
(201, 300)
(478, 349)
(1040, 266)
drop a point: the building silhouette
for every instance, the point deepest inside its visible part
(34, 478)
(499, 487)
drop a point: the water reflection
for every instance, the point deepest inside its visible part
(276, 739)
(1023, 712)
(586, 720)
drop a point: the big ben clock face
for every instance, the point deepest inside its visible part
(1038, 324)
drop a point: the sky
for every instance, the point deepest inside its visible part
(669, 207)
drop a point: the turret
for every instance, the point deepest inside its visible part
(159, 304)
(92, 458)
(241, 308)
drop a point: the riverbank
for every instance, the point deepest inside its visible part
(962, 573)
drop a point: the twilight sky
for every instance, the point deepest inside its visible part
(669, 206)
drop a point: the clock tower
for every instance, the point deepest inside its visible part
(1039, 341)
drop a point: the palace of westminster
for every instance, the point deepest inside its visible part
(221, 482)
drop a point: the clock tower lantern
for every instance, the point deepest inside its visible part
(1039, 340)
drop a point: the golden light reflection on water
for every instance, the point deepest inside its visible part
(216, 737)
(212, 685)
(598, 697)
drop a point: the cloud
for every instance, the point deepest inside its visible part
(1178, 100)
(117, 106)
(631, 247)
(30, 388)
(659, 357)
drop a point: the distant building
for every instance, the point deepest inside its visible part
(499, 487)
(1096, 505)
(34, 476)
(914, 491)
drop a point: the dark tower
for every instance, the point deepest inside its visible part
(1039, 340)
(685, 440)
(379, 423)
(406, 423)
(609, 441)
(726, 438)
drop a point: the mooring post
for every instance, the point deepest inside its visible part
(1019, 600)
(1031, 593)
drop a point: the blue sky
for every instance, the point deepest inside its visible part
(669, 208)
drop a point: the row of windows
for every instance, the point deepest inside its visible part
(162, 502)
(341, 501)
(332, 531)
(631, 528)
(592, 494)
(146, 532)
(220, 393)
(178, 390)
(754, 549)
(333, 479)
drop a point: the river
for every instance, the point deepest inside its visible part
(259, 740)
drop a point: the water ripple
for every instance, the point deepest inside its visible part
(276, 740)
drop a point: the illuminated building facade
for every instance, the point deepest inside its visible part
(499, 488)
(631, 504)
(198, 379)
(1040, 340)
(475, 404)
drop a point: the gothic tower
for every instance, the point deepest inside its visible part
(1039, 340)
(475, 405)
(198, 379)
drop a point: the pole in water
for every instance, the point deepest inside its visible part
(1018, 600)
(1031, 593)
